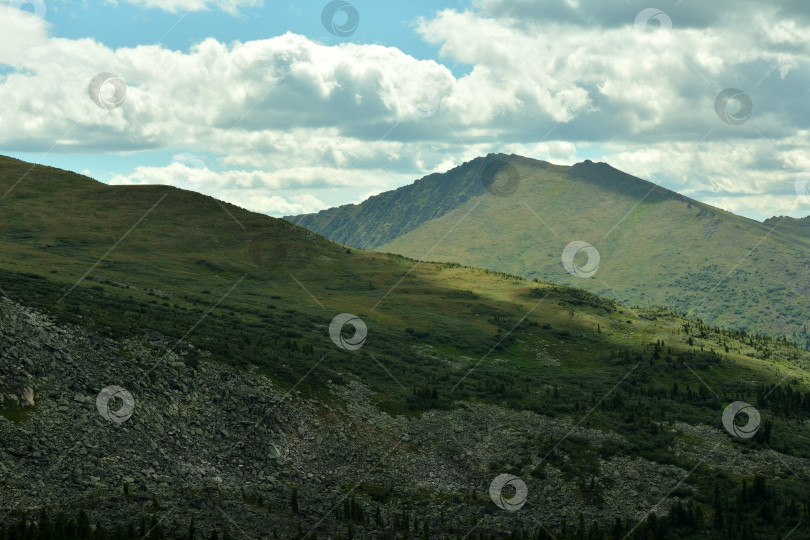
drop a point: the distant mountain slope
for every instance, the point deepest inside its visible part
(656, 247)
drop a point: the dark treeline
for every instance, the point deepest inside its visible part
(747, 511)
(62, 527)
(726, 508)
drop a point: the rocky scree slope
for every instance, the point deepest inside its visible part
(232, 449)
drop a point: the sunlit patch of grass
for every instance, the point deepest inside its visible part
(15, 413)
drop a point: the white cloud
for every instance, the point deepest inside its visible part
(173, 6)
(281, 99)
(750, 176)
(275, 204)
(276, 192)
(20, 30)
(760, 206)
(252, 190)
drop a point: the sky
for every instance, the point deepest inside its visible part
(289, 108)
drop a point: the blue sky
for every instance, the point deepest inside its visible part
(124, 25)
(257, 103)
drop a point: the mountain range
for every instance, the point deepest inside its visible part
(174, 366)
(655, 247)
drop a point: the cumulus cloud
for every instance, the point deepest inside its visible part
(249, 189)
(610, 82)
(280, 97)
(275, 192)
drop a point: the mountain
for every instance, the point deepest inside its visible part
(656, 247)
(174, 366)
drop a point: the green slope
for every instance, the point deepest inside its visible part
(259, 293)
(657, 247)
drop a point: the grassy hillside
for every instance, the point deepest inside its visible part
(259, 293)
(657, 247)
